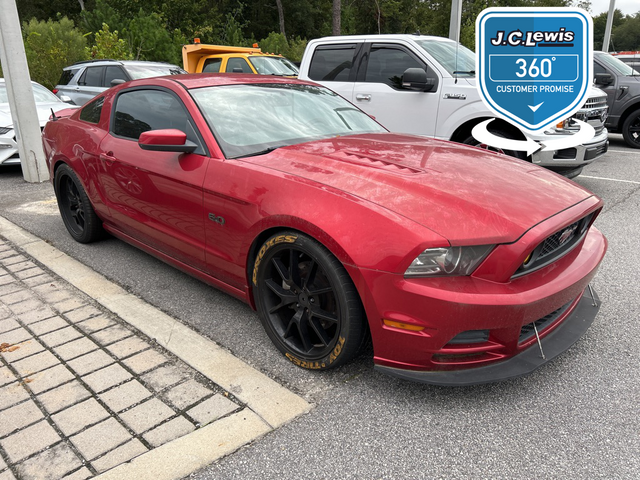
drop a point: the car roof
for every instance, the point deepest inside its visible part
(198, 80)
(107, 61)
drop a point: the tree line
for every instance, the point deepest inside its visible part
(65, 31)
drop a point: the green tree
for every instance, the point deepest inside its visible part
(108, 45)
(50, 46)
(627, 35)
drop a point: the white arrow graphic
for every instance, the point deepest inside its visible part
(585, 134)
(536, 107)
(483, 135)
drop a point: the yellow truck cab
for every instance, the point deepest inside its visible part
(202, 58)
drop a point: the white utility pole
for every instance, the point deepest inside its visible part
(21, 101)
(456, 18)
(607, 30)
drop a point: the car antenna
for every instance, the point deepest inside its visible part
(53, 115)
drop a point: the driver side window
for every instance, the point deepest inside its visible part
(139, 111)
(388, 64)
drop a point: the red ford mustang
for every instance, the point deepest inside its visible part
(462, 265)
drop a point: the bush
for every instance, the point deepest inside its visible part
(108, 45)
(277, 43)
(50, 46)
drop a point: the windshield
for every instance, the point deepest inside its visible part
(147, 71)
(455, 59)
(251, 119)
(616, 65)
(273, 66)
(40, 94)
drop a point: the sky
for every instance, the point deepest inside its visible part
(628, 7)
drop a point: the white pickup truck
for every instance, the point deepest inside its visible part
(382, 74)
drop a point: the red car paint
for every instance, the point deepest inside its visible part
(375, 201)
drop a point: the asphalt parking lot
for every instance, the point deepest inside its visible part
(577, 417)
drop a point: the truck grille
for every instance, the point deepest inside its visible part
(555, 246)
(597, 102)
(4, 130)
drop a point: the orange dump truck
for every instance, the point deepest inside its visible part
(199, 57)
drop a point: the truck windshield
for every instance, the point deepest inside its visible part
(257, 118)
(274, 66)
(460, 60)
(616, 65)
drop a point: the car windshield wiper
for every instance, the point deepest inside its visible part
(261, 152)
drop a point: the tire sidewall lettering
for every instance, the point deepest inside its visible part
(263, 250)
(320, 364)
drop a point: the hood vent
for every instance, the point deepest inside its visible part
(365, 160)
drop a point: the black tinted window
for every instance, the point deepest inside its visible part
(66, 77)
(387, 65)
(332, 63)
(597, 68)
(113, 73)
(212, 65)
(91, 111)
(139, 111)
(92, 77)
(237, 65)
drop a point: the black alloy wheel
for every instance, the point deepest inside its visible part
(75, 207)
(631, 129)
(307, 302)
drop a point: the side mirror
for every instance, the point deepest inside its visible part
(66, 99)
(416, 79)
(237, 70)
(170, 140)
(603, 79)
(117, 81)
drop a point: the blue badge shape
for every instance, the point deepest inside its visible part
(534, 64)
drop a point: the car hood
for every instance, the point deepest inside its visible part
(468, 195)
(43, 109)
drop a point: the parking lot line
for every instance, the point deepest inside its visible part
(629, 152)
(611, 179)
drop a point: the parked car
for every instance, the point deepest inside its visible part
(465, 266)
(621, 82)
(45, 102)
(202, 58)
(369, 70)
(84, 80)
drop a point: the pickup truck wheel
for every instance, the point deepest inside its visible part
(512, 153)
(631, 129)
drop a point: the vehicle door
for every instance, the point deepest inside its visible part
(114, 72)
(89, 85)
(379, 91)
(333, 66)
(155, 197)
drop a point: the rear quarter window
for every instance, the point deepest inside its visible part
(332, 63)
(91, 111)
(212, 65)
(66, 77)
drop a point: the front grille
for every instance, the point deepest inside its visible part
(597, 102)
(527, 331)
(555, 246)
(4, 130)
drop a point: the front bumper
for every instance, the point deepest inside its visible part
(9, 149)
(467, 323)
(577, 156)
(554, 344)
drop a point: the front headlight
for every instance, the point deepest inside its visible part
(449, 261)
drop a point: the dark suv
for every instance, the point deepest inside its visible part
(622, 85)
(84, 80)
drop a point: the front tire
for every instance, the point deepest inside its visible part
(631, 129)
(75, 207)
(307, 302)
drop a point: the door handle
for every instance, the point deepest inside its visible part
(363, 97)
(107, 158)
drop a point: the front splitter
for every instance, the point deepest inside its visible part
(557, 342)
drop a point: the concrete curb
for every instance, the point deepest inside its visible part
(271, 404)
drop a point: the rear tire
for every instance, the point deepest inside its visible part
(307, 302)
(75, 207)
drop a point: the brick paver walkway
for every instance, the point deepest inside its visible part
(80, 390)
